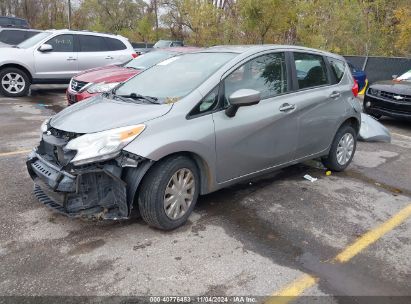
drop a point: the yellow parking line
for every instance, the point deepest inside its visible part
(293, 290)
(298, 286)
(14, 152)
(373, 235)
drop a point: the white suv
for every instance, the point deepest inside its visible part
(57, 55)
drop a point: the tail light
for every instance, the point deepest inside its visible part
(355, 88)
(134, 55)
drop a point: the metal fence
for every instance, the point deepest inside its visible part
(380, 68)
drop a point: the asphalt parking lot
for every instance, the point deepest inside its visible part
(254, 239)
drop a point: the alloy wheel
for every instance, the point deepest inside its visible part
(345, 149)
(13, 83)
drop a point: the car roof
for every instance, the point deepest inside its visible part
(19, 29)
(239, 49)
(67, 31)
(180, 49)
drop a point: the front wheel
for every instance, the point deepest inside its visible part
(169, 192)
(14, 82)
(342, 149)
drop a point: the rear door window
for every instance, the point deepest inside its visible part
(311, 70)
(89, 43)
(62, 43)
(337, 68)
(114, 44)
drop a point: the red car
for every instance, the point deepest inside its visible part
(95, 81)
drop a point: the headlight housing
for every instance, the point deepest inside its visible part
(101, 87)
(45, 125)
(374, 92)
(102, 145)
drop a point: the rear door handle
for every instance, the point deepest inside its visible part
(109, 57)
(335, 94)
(287, 107)
(71, 59)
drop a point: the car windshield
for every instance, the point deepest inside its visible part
(33, 40)
(145, 61)
(162, 44)
(175, 77)
(406, 76)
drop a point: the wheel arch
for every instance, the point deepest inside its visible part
(204, 170)
(134, 176)
(351, 121)
(17, 66)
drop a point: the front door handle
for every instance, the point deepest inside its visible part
(71, 59)
(285, 107)
(335, 94)
(109, 57)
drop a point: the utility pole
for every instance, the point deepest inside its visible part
(69, 14)
(156, 15)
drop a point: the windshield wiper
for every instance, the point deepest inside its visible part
(139, 96)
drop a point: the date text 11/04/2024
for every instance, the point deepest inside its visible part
(203, 299)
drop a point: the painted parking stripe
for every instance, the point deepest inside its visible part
(291, 291)
(15, 153)
(294, 289)
(373, 235)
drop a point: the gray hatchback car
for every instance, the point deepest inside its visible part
(193, 124)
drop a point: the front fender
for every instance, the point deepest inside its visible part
(173, 134)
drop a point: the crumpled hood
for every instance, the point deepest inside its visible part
(99, 113)
(110, 73)
(402, 87)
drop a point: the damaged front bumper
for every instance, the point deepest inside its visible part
(94, 191)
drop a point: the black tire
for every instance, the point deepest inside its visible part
(14, 71)
(330, 161)
(152, 192)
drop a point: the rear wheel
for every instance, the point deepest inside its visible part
(14, 82)
(342, 149)
(169, 192)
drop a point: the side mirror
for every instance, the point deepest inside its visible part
(242, 98)
(394, 76)
(45, 48)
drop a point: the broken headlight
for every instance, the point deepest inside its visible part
(102, 145)
(45, 125)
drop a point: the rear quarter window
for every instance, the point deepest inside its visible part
(337, 68)
(115, 44)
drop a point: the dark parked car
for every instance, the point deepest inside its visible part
(13, 36)
(390, 97)
(360, 76)
(193, 124)
(6, 21)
